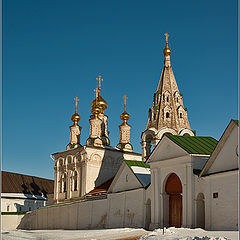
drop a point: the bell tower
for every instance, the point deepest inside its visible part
(167, 114)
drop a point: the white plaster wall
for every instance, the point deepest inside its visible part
(124, 209)
(220, 213)
(227, 158)
(126, 181)
(10, 222)
(21, 205)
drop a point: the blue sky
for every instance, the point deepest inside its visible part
(53, 51)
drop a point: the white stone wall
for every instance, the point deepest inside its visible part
(124, 209)
(10, 222)
(221, 213)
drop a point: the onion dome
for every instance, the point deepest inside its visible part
(124, 116)
(100, 103)
(95, 110)
(167, 50)
(75, 117)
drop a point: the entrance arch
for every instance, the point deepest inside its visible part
(173, 188)
(200, 211)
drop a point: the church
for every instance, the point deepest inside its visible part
(179, 179)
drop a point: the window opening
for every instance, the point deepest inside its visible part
(167, 115)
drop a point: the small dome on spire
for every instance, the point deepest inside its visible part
(125, 116)
(167, 50)
(99, 101)
(75, 117)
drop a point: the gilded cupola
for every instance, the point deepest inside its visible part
(75, 117)
(99, 102)
(124, 116)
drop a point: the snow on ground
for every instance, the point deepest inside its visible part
(98, 234)
(121, 233)
(190, 234)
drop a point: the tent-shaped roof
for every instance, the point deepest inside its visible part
(141, 170)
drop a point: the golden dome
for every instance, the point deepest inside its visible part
(167, 51)
(75, 118)
(124, 116)
(99, 102)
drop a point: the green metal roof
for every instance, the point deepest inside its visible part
(236, 121)
(195, 144)
(136, 163)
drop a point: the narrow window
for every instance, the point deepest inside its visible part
(20, 209)
(167, 99)
(30, 209)
(75, 185)
(215, 195)
(64, 186)
(177, 99)
(154, 116)
(8, 208)
(180, 115)
(167, 115)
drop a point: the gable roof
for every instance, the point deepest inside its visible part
(141, 170)
(194, 144)
(219, 146)
(100, 190)
(20, 183)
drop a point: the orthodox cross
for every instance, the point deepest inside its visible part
(99, 79)
(125, 102)
(76, 102)
(96, 91)
(167, 35)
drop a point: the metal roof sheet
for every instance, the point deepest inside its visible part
(20, 183)
(195, 144)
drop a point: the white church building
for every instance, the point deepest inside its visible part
(179, 179)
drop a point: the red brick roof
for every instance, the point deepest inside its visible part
(100, 190)
(19, 183)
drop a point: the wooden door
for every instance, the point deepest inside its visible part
(175, 210)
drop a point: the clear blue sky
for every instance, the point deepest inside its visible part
(54, 49)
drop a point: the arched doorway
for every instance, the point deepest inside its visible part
(200, 211)
(148, 214)
(173, 188)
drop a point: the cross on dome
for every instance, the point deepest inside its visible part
(99, 79)
(96, 92)
(76, 103)
(167, 35)
(125, 101)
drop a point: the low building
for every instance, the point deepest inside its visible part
(23, 193)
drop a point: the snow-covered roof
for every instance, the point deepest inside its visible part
(141, 170)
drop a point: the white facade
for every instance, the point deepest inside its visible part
(18, 202)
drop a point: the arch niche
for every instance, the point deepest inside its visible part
(200, 211)
(148, 214)
(173, 188)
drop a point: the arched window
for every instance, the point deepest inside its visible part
(177, 99)
(64, 183)
(180, 115)
(75, 181)
(167, 115)
(167, 98)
